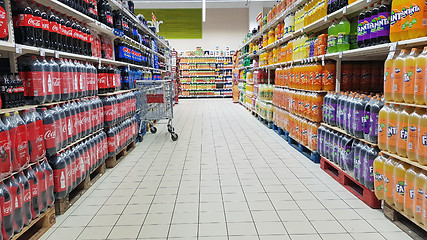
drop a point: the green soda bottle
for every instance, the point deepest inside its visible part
(353, 34)
(332, 37)
(343, 30)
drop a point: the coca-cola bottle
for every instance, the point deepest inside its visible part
(83, 168)
(62, 34)
(37, 24)
(23, 23)
(6, 212)
(53, 29)
(68, 123)
(26, 197)
(32, 74)
(45, 27)
(16, 196)
(5, 151)
(75, 80)
(65, 79)
(56, 80)
(6, 91)
(4, 32)
(49, 131)
(58, 126)
(48, 77)
(63, 122)
(49, 182)
(35, 134)
(18, 90)
(59, 167)
(41, 177)
(69, 178)
(18, 140)
(34, 186)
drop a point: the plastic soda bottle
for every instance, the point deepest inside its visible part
(382, 127)
(417, 27)
(420, 78)
(379, 176)
(409, 199)
(422, 140)
(329, 76)
(398, 66)
(389, 189)
(389, 76)
(392, 129)
(343, 29)
(409, 70)
(399, 183)
(402, 130)
(420, 182)
(396, 21)
(332, 37)
(412, 144)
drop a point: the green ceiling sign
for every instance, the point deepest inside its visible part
(177, 23)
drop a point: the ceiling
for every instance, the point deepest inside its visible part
(198, 3)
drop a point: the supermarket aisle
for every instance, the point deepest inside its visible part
(227, 177)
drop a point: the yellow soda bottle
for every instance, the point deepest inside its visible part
(422, 140)
(392, 129)
(382, 127)
(412, 144)
(379, 176)
(399, 183)
(398, 66)
(418, 24)
(395, 21)
(402, 130)
(389, 76)
(420, 182)
(409, 76)
(409, 199)
(389, 166)
(420, 77)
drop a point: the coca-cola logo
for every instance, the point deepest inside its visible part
(34, 22)
(109, 112)
(27, 196)
(39, 139)
(35, 191)
(56, 81)
(22, 146)
(7, 208)
(55, 28)
(49, 134)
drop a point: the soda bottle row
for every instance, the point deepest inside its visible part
(353, 156)
(374, 24)
(118, 107)
(104, 13)
(401, 185)
(403, 130)
(301, 103)
(121, 135)
(130, 54)
(72, 165)
(311, 76)
(24, 196)
(69, 122)
(355, 113)
(125, 25)
(407, 20)
(342, 35)
(335, 5)
(264, 109)
(108, 79)
(51, 80)
(11, 91)
(88, 7)
(365, 76)
(405, 76)
(39, 26)
(300, 129)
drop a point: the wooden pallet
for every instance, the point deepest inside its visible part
(113, 161)
(404, 222)
(314, 156)
(268, 124)
(351, 184)
(62, 205)
(38, 226)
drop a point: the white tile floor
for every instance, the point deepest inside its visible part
(227, 177)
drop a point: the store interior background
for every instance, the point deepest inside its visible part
(226, 21)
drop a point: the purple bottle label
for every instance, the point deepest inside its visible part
(333, 112)
(361, 162)
(360, 30)
(373, 126)
(383, 24)
(368, 173)
(373, 26)
(357, 124)
(366, 121)
(367, 25)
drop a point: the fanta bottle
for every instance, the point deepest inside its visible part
(329, 74)
(379, 176)
(405, 19)
(392, 129)
(422, 140)
(396, 21)
(418, 23)
(412, 144)
(399, 183)
(389, 76)
(402, 130)
(409, 76)
(410, 191)
(382, 127)
(389, 181)
(399, 64)
(420, 78)
(420, 182)
(424, 208)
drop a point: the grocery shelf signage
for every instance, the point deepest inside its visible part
(177, 23)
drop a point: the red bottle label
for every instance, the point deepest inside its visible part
(60, 180)
(50, 135)
(37, 22)
(34, 84)
(102, 80)
(23, 20)
(3, 23)
(21, 147)
(5, 157)
(45, 24)
(53, 27)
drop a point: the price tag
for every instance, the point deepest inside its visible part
(99, 62)
(390, 55)
(56, 54)
(325, 19)
(18, 49)
(340, 55)
(393, 46)
(42, 52)
(344, 10)
(323, 60)
(97, 23)
(103, 26)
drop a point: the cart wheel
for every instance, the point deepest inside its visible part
(174, 136)
(153, 130)
(140, 137)
(171, 129)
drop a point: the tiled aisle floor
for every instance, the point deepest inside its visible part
(227, 177)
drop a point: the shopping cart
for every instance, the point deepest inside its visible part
(160, 101)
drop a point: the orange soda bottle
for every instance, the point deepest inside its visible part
(317, 77)
(398, 76)
(392, 129)
(379, 176)
(402, 130)
(422, 140)
(399, 184)
(412, 144)
(409, 71)
(382, 127)
(389, 189)
(420, 78)
(409, 199)
(420, 182)
(418, 26)
(329, 74)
